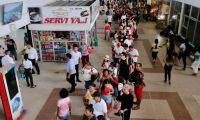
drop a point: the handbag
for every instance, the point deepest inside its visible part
(94, 77)
(117, 105)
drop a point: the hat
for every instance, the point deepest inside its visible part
(96, 94)
(107, 57)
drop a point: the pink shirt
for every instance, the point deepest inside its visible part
(64, 105)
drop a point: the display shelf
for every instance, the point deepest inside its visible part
(60, 51)
(47, 51)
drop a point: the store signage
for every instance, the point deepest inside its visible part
(65, 15)
(65, 20)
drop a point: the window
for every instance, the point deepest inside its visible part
(194, 12)
(178, 6)
(183, 31)
(186, 20)
(190, 31)
(197, 35)
(187, 10)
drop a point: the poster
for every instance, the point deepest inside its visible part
(74, 36)
(35, 15)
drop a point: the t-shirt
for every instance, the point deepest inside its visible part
(118, 50)
(133, 53)
(109, 18)
(76, 56)
(64, 105)
(10, 45)
(123, 17)
(154, 48)
(197, 58)
(107, 27)
(183, 47)
(87, 75)
(100, 108)
(128, 42)
(84, 50)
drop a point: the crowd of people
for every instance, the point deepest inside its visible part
(119, 82)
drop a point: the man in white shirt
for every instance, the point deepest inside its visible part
(33, 57)
(134, 54)
(117, 51)
(183, 53)
(99, 105)
(71, 71)
(7, 59)
(76, 56)
(129, 41)
(28, 67)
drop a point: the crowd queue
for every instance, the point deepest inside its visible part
(120, 85)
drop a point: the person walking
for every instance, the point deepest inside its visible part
(183, 54)
(196, 63)
(28, 74)
(11, 46)
(33, 57)
(71, 72)
(76, 56)
(155, 50)
(7, 59)
(64, 106)
(168, 68)
(107, 29)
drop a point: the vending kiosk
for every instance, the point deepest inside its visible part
(10, 93)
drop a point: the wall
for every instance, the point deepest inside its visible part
(18, 35)
(195, 3)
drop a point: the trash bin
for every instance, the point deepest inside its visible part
(96, 42)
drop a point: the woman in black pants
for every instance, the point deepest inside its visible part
(168, 68)
(126, 99)
(28, 68)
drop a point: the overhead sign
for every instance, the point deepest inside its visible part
(65, 15)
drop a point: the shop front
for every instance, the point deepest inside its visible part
(57, 26)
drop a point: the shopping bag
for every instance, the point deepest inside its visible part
(23, 77)
(117, 105)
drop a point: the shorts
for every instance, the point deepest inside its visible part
(107, 98)
(138, 92)
(107, 31)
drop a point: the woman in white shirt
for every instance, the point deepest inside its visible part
(28, 71)
(88, 71)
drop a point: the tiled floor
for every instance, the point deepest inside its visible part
(178, 101)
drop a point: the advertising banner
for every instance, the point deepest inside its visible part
(65, 15)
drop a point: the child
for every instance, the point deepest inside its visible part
(106, 62)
